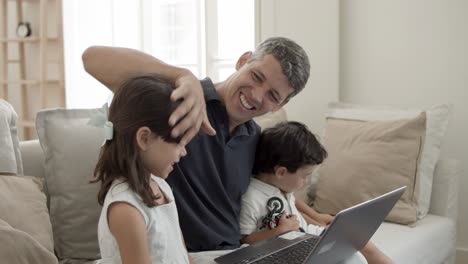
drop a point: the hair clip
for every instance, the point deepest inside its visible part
(100, 120)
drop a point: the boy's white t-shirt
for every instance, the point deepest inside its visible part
(254, 208)
(165, 242)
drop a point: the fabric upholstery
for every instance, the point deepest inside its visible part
(436, 126)
(367, 159)
(24, 219)
(10, 155)
(71, 149)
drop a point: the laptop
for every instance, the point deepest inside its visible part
(349, 232)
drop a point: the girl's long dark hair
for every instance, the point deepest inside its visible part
(141, 101)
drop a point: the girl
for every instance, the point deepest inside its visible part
(139, 221)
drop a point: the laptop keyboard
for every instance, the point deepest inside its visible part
(292, 255)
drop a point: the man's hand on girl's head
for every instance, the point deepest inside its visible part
(190, 116)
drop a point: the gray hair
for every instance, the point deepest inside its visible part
(291, 57)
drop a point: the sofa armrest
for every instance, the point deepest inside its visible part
(33, 158)
(444, 197)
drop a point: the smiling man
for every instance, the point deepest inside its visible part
(209, 182)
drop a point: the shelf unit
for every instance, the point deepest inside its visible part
(35, 84)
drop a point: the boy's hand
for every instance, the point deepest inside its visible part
(288, 223)
(324, 219)
(192, 111)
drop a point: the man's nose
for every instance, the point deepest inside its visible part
(258, 94)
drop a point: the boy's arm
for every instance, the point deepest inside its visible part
(311, 215)
(112, 66)
(285, 224)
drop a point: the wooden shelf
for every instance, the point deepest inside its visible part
(13, 82)
(28, 39)
(29, 82)
(25, 68)
(27, 123)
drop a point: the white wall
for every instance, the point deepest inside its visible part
(314, 25)
(411, 53)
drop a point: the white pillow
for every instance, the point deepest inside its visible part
(436, 126)
(71, 149)
(10, 156)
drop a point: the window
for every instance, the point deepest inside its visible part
(205, 36)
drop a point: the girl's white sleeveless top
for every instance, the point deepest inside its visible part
(162, 225)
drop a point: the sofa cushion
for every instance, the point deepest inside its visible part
(430, 240)
(71, 148)
(24, 250)
(10, 156)
(367, 159)
(25, 220)
(270, 119)
(436, 126)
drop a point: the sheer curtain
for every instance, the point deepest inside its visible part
(90, 22)
(205, 36)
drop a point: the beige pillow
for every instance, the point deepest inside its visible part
(437, 118)
(367, 159)
(19, 247)
(270, 119)
(24, 216)
(71, 149)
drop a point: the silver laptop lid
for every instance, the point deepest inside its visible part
(353, 227)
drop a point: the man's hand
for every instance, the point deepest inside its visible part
(192, 111)
(288, 223)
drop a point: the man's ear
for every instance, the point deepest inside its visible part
(243, 59)
(142, 137)
(280, 171)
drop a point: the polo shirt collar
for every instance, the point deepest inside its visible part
(268, 189)
(209, 90)
(246, 129)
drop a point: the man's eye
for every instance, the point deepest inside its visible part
(255, 77)
(273, 97)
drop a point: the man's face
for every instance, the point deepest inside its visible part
(256, 88)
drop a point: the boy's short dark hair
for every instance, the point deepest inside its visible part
(289, 144)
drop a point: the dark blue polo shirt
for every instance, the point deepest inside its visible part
(209, 182)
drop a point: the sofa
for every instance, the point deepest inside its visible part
(429, 240)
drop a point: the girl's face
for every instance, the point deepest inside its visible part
(160, 156)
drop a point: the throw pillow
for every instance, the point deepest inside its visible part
(71, 149)
(367, 159)
(10, 156)
(24, 210)
(270, 119)
(24, 250)
(436, 126)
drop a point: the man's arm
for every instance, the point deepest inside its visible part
(112, 66)
(310, 214)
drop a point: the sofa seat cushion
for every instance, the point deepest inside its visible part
(430, 240)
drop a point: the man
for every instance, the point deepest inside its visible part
(208, 183)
